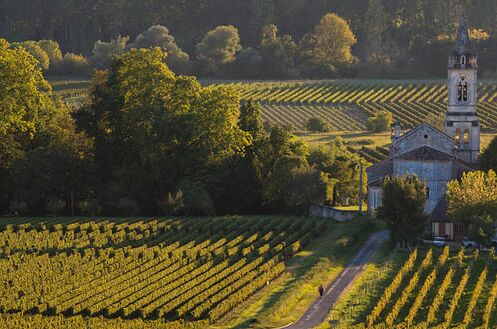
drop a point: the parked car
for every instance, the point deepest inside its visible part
(467, 243)
(439, 241)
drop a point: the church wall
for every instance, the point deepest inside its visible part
(436, 175)
(375, 195)
(425, 136)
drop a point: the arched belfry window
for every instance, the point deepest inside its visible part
(462, 90)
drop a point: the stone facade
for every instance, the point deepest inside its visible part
(435, 156)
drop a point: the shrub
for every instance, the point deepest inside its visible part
(316, 124)
(72, 65)
(173, 204)
(55, 206)
(380, 122)
(90, 207)
(18, 208)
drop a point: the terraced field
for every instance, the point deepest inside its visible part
(176, 272)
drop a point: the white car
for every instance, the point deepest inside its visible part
(467, 243)
(439, 241)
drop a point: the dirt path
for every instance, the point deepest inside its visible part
(320, 308)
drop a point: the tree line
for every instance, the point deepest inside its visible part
(264, 38)
(150, 142)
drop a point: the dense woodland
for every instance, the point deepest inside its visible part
(148, 141)
(266, 38)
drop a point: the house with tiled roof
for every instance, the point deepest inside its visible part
(433, 155)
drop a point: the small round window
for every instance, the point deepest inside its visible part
(426, 136)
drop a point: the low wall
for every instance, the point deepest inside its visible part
(330, 212)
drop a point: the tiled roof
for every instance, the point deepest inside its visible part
(382, 167)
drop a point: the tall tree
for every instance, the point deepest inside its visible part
(153, 129)
(402, 207)
(375, 26)
(488, 159)
(329, 47)
(473, 201)
(218, 47)
(159, 36)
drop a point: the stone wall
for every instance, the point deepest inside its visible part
(332, 213)
(436, 174)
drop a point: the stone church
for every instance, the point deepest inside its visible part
(435, 156)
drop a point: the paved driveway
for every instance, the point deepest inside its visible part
(321, 307)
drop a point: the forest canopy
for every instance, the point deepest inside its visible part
(395, 38)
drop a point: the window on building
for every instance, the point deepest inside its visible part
(462, 90)
(466, 136)
(427, 192)
(457, 137)
(463, 60)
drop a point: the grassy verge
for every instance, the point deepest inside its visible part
(358, 139)
(286, 299)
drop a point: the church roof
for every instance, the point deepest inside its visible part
(425, 153)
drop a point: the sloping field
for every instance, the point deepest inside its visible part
(346, 104)
(429, 289)
(169, 273)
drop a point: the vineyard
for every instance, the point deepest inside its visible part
(170, 273)
(344, 104)
(347, 104)
(435, 289)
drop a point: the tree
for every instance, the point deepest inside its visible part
(488, 159)
(331, 42)
(154, 129)
(104, 52)
(375, 26)
(249, 64)
(37, 52)
(159, 36)
(380, 122)
(473, 201)
(315, 124)
(52, 49)
(23, 92)
(218, 47)
(278, 53)
(402, 207)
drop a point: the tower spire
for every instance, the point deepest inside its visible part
(463, 41)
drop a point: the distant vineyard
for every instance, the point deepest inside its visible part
(172, 273)
(347, 104)
(438, 290)
(344, 104)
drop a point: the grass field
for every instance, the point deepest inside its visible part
(225, 272)
(424, 289)
(372, 147)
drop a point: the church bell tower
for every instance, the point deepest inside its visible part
(461, 121)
